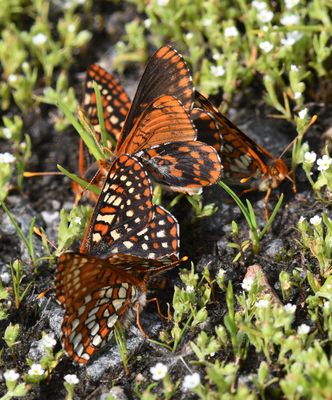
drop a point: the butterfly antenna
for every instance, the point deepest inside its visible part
(28, 174)
(312, 121)
(41, 234)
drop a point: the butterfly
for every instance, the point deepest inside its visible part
(156, 126)
(245, 162)
(128, 241)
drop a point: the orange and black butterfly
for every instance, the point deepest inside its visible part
(128, 241)
(245, 162)
(156, 126)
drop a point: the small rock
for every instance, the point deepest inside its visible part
(111, 359)
(275, 247)
(251, 275)
(117, 392)
(6, 226)
(5, 276)
(50, 217)
(56, 205)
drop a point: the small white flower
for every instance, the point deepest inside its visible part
(7, 133)
(48, 341)
(303, 329)
(207, 22)
(310, 157)
(12, 78)
(5, 277)
(303, 113)
(291, 38)
(6, 158)
(247, 284)
(291, 3)
(326, 305)
(265, 28)
(39, 39)
(159, 371)
(294, 68)
(221, 273)
(302, 219)
(78, 220)
(297, 95)
(316, 220)
(231, 31)
(71, 379)
(11, 375)
(147, 23)
(71, 28)
(259, 5)
(265, 16)
(290, 19)
(162, 2)
(290, 308)
(36, 369)
(191, 381)
(217, 56)
(266, 46)
(189, 35)
(217, 70)
(262, 303)
(190, 289)
(324, 163)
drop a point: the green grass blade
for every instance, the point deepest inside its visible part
(17, 228)
(83, 183)
(252, 215)
(88, 140)
(272, 217)
(238, 201)
(32, 224)
(104, 135)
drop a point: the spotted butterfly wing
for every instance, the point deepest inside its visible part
(98, 293)
(159, 116)
(125, 220)
(165, 74)
(245, 161)
(128, 241)
(115, 101)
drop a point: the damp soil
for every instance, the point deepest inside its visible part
(203, 240)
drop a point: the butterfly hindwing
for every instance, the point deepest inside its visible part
(125, 203)
(183, 166)
(208, 130)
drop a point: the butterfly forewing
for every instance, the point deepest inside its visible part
(164, 120)
(124, 203)
(166, 74)
(115, 100)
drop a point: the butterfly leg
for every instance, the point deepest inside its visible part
(158, 308)
(138, 322)
(248, 191)
(266, 202)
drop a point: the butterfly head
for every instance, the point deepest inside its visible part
(277, 171)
